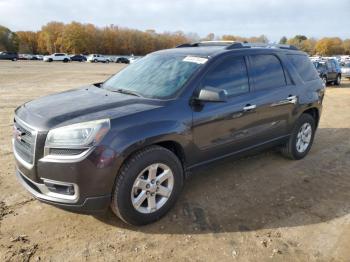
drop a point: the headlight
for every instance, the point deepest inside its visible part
(85, 134)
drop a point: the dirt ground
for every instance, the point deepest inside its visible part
(259, 208)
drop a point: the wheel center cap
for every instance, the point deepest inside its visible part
(153, 188)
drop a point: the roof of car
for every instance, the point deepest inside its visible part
(217, 47)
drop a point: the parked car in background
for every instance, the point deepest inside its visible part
(39, 57)
(79, 58)
(13, 56)
(95, 58)
(129, 143)
(122, 60)
(345, 70)
(329, 71)
(57, 57)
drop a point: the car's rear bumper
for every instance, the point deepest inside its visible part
(87, 205)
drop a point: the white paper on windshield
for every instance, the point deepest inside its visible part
(195, 59)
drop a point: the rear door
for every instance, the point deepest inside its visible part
(332, 74)
(274, 94)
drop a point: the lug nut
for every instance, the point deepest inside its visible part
(157, 183)
(152, 181)
(147, 186)
(147, 193)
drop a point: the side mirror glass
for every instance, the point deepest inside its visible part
(210, 94)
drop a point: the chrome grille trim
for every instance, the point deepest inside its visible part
(25, 149)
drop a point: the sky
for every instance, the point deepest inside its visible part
(273, 18)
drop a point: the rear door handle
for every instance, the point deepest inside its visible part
(249, 107)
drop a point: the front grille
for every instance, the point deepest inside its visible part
(24, 142)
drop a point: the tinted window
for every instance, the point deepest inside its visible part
(268, 72)
(304, 67)
(231, 75)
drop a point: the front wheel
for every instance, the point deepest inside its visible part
(147, 186)
(337, 81)
(301, 139)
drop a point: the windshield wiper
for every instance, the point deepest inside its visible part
(127, 92)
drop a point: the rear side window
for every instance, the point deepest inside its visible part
(268, 72)
(304, 67)
(230, 75)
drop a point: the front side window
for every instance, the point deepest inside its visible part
(268, 72)
(230, 75)
(156, 76)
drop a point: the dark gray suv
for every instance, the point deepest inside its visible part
(128, 143)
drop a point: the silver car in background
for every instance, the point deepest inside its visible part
(345, 70)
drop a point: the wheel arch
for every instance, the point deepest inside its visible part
(314, 112)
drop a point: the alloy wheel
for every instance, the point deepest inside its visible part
(152, 188)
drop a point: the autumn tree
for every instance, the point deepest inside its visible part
(329, 46)
(50, 37)
(346, 46)
(75, 38)
(28, 42)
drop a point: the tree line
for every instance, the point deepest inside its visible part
(78, 38)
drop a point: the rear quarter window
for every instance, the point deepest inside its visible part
(304, 67)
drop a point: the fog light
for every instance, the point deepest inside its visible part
(60, 189)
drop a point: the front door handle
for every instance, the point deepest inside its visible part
(292, 99)
(249, 107)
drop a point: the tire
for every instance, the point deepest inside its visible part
(338, 80)
(124, 190)
(324, 80)
(107, 61)
(50, 60)
(95, 61)
(65, 60)
(290, 149)
(14, 59)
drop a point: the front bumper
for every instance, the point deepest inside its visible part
(88, 205)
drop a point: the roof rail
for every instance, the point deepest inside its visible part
(207, 43)
(265, 45)
(236, 45)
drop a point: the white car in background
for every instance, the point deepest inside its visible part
(57, 57)
(345, 70)
(95, 58)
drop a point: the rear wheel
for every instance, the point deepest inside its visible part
(147, 186)
(14, 59)
(65, 60)
(95, 61)
(301, 139)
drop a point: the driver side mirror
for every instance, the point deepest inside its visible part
(210, 94)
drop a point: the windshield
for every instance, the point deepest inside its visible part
(155, 76)
(319, 65)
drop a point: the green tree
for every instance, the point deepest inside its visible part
(283, 40)
(8, 40)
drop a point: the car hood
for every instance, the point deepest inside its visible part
(79, 105)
